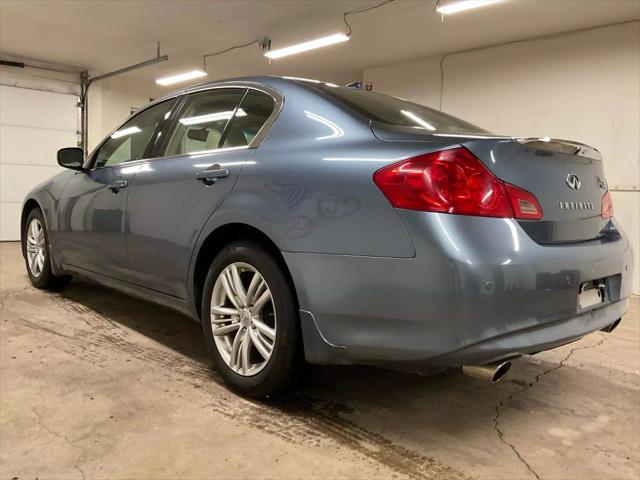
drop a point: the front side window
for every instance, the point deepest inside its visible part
(255, 109)
(130, 141)
(202, 121)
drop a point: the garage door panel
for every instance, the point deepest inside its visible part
(17, 180)
(31, 146)
(33, 126)
(10, 220)
(32, 108)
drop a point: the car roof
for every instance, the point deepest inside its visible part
(278, 83)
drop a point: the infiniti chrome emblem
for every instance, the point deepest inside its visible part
(573, 182)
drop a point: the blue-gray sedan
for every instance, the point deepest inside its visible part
(299, 220)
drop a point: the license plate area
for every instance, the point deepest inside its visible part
(592, 294)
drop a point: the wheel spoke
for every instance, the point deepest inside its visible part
(32, 264)
(263, 348)
(224, 330)
(257, 306)
(246, 349)
(256, 283)
(238, 288)
(229, 291)
(235, 349)
(264, 329)
(227, 311)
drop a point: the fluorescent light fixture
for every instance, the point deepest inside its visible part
(125, 131)
(305, 46)
(418, 120)
(211, 117)
(446, 7)
(182, 77)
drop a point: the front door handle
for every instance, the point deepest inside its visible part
(211, 174)
(116, 186)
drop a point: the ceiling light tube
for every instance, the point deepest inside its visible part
(306, 46)
(446, 7)
(182, 77)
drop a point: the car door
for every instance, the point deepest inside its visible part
(92, 210)
(172, 197)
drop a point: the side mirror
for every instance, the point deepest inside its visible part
(71, 157)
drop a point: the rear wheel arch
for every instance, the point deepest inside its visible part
(222, 236)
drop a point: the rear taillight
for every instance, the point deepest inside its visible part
(606, 206)
(453, 181)
(525, 204)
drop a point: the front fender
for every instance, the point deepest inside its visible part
(46, 197)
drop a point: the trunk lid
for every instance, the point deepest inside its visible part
(566, 177)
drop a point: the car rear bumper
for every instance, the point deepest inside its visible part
(478, 290)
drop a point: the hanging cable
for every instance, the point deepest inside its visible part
(444, 57)
(362, 10)
(264, 43)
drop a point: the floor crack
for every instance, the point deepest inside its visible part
(527, 387)
(83, 450)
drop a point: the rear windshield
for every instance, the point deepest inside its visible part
(395, 111)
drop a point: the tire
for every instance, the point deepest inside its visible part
(257, 320)
(35, 246)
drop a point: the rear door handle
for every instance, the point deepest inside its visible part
(211, 174)
(116, 186)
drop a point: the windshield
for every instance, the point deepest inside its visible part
(395, 111)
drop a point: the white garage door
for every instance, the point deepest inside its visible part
(33, 126)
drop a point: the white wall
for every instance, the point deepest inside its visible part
(583, 86)
(110, 103)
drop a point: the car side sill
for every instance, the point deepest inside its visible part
(136, 291)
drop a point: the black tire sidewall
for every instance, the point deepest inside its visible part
(282, 365)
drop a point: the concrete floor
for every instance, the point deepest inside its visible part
(97, 385)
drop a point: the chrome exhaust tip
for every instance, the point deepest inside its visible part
(612, 327)
(491, 372)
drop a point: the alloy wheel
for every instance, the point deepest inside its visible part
(35, 247)
(243, 318)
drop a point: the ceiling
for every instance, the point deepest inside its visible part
(106, 35)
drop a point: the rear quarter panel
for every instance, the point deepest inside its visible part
(309, 186)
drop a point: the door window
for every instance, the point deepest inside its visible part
(202, 122)
(130, 141)
(255, 109)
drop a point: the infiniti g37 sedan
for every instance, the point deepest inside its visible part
(300, 221)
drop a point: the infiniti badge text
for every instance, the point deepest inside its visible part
(576, 206)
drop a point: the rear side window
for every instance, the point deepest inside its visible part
(395, 111)
(202, 121)
(255, 109)
(130, 141)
